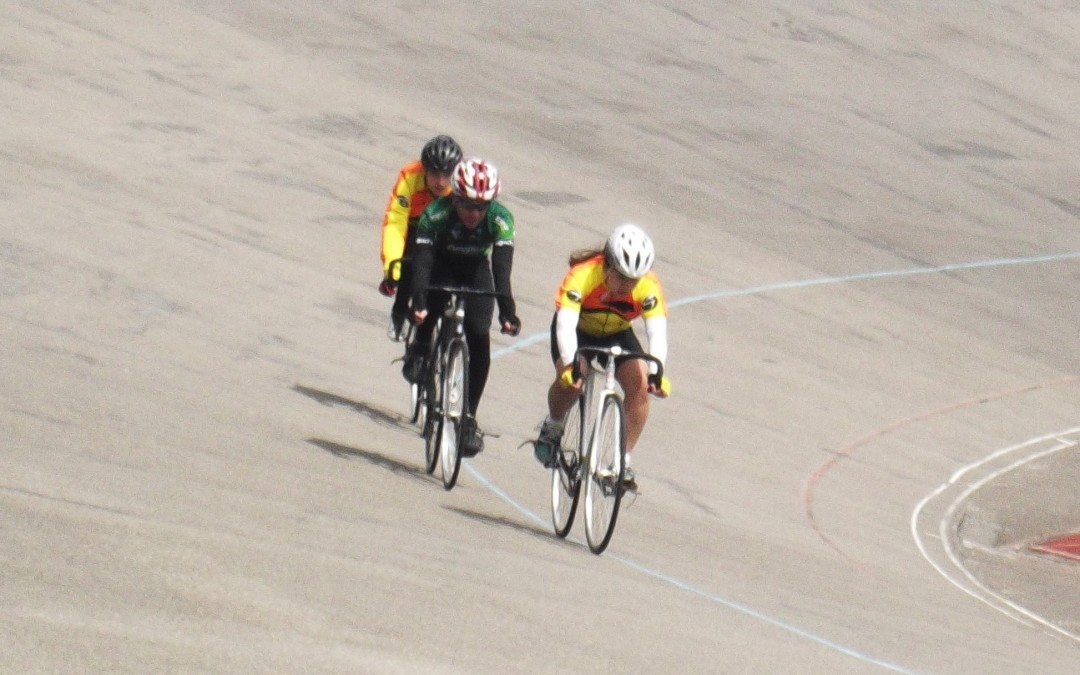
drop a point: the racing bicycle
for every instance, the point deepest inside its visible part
(441, 397)
(593, 447)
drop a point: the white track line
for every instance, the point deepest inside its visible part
(976, 589)
(782, 286)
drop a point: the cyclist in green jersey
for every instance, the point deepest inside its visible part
(465, 240)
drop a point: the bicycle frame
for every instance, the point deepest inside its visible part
(597, 463)
(449, 347)
(595, 374)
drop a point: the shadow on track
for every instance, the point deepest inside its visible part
(505, 522)
(372, 457)
(377, 415)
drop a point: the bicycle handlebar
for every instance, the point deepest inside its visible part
(465, 290)
(617, 352)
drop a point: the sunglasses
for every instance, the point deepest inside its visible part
(470, 205)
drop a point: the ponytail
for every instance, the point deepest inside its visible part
(581, 255)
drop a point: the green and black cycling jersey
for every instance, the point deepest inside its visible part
(445, 244)
(440, 226)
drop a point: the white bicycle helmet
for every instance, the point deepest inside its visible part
(630, 251)
(476, 179)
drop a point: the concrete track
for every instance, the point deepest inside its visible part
(869, 230)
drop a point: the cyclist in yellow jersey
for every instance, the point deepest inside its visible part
(601, 295)
(418, 184)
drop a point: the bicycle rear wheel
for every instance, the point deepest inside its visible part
(431, 443)
(430, 393)
(416, 395)
(566, 476)
(416, 391)
(603, 493)
(454, 408)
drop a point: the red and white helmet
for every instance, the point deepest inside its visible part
(476, 179)
(630, 251)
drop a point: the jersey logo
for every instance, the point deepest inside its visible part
(404, 201)
(648, 303)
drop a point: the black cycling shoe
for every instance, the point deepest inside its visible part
(472, 439)
(547, 447)
(413, 370)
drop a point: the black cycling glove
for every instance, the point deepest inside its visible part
(513, 322)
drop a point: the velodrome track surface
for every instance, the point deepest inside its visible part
(869, 231)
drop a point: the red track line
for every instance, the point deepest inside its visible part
(1067, 546)
(849, 450)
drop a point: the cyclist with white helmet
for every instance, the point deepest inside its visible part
(465, 240)
(604, 291)
(418, 184)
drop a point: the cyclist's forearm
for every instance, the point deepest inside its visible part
(423, 258)
(656, 331)
(566, 320)
(502, 261)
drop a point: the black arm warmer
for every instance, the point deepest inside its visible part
(423, 258)
(502, 260)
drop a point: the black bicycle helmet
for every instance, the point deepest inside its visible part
(441, 153)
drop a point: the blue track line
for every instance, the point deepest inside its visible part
(768, 288)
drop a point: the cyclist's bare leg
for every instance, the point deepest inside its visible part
(632, 375)
(560, 396)
(561, 399)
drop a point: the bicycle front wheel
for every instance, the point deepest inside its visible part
(603, 493)
(454, 407)
(566, 476)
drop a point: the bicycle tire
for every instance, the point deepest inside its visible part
(455, 405)
(603, 492)
(416, 390)
(431, 443)
(430, 392)
(566, 476)
(416, 401)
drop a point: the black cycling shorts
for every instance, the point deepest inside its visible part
(626, 339)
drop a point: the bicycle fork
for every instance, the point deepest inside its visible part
(611, 474)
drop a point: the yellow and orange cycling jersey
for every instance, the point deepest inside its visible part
(601, 315)
(408, 200)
